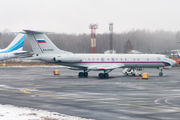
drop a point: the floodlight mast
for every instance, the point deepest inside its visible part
(111, 36)
(93, 28)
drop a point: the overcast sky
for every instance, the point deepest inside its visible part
(75, 16)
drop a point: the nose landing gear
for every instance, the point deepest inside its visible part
(161, 72)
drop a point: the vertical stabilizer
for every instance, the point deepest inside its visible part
(16, 44)
(178, 53)
(41, 44)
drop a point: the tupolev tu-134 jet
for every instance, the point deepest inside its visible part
(45, 50)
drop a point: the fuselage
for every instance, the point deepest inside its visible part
(128, 60)
(6, 55)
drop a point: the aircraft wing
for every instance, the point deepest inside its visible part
(108, 67)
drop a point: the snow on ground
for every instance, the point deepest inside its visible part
(10, 112)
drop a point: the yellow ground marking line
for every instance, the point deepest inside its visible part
(103, 102)
(85, 85)
(11, 91)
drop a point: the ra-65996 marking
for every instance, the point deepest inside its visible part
(48, 49)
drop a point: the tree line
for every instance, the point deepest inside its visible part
(142, 40)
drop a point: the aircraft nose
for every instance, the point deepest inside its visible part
(175, 63)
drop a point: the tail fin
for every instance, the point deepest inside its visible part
(16, 44)
(41, 44)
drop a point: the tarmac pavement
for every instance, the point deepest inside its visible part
(118, 97)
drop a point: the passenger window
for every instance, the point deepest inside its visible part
(112, 59)
(107, 59)
(89, 59)
(102, 59)
(98, 59)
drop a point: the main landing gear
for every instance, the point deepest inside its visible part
(105, 74)
(83, 74)
(161, 72)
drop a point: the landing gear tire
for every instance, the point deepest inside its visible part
(160, 74)
(103, 75)
(85, 74)
(106, 75)
(81, 75)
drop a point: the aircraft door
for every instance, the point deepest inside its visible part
(158, 60)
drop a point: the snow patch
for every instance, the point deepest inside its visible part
(10, 112)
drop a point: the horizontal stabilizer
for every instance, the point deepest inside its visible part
(35, 32)
(20, 52)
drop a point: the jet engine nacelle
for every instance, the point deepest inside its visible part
(68, 59)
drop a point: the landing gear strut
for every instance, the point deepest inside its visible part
(161, 72)
(83, 74)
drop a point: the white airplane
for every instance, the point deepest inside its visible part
(14, 49)
(45, 50)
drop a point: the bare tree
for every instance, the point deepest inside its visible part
(128, 47)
